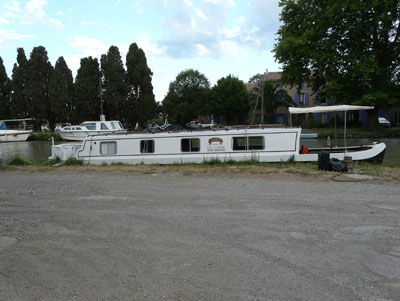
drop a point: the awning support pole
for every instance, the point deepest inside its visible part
(345, 119)
(335, 131)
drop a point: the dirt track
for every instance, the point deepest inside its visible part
(89, 235)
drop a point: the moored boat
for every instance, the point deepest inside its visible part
(89, 128)
(264, 144)
(13, 135)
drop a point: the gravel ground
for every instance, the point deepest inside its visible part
(121, 236)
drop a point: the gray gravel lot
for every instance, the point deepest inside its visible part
(99, 236)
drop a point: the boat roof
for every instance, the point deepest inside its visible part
(195, 132)
(323, 109)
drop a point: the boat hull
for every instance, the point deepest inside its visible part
(373, 153)
(14, 135)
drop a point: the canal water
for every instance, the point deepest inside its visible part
(35, 150)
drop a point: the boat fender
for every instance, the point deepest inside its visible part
(304, 149)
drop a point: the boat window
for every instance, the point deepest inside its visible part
(120, 125)
(90, 126)
(108, 148)
(67, 129)
(113, 125)
(147, 146)
(256, 142)
(190, 145)
(239, 143)
(248, 143)
(104, 127)
(79, 129)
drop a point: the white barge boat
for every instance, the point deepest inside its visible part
(264, 144)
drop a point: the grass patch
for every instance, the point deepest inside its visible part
(48, 162)
(73, 162)
(44, 136)
(18, 161)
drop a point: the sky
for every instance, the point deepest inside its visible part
(215, 37)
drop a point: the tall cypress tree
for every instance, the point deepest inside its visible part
(114, 85)
(140, 94)
(5, 89)
(39, 70)
(19, 98)
(60, 92)
(86, 91)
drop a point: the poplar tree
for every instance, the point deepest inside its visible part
(60, 92)
(87, 91)
(19, 98)
(114, 85)
(141, 99)
(5, 89)
(39, 70)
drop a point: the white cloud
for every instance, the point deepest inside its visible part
(7, 38)
(34, 12)
(13, 5)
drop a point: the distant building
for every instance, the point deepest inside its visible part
(306, 97)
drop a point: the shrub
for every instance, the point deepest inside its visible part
(18, 161)
(73, 161)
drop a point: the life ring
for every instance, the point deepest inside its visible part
(15, 135)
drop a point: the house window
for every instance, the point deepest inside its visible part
(302, 98)
(108, 148)
(350, 116)
(324, 101)
(248, 143)
(147, 146)
(190, 145)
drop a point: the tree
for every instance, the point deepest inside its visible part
(39, 70)
(19, 98)
(114, 85)
(5, 89)
(141, 99)
(87, 91)
(275, 97)
(187, 96)
(232, 98)
(346, 49)
(60, 92)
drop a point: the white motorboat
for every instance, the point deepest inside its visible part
(12, 135)
(263, 144)
(89, 128)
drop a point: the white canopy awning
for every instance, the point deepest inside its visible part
(323, 109)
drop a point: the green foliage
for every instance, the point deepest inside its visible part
(48, 162)
(232, 98)
(44, 136)
(274, 97)
(86, 91)
(39, 71)
(60, 92)
(141, 99)
(346, 49)
(17, 161)
(188, 96)
(19, 104)
(73, 162)
(114, 85)
(5, 89)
